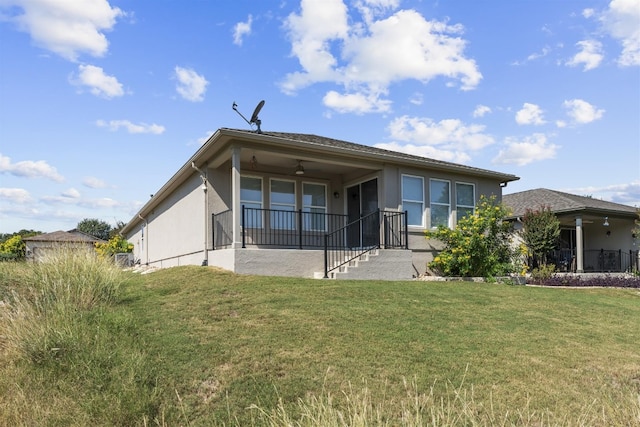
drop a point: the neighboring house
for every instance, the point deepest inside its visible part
(38, 246)
(289, 204)
(595, 236)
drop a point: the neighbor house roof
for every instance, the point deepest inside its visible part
(559, 202)
(71, 236)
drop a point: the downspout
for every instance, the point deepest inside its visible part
(204, 188)
(146, 247)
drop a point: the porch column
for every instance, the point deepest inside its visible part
(579, 246)
(236, 210)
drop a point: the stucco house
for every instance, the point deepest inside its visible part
(595, 236)
(290, 204)
(36, 247)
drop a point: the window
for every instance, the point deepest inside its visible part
(251, 197)
(440, 202)
(314, 201)
(283, 198)
(413, 199)
(465, 200)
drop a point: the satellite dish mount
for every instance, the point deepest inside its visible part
(254, 117)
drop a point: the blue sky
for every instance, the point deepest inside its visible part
(102, 101)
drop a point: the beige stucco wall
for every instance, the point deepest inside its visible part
(175, 230)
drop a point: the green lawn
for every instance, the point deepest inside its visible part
(198, 346)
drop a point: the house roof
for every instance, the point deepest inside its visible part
(71, 236)
(388, 154)
(315, 146)
(561, 203)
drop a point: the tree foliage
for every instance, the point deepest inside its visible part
(12, 245)
(95, 227)
(479, 246)
(540, 232)
(13, 248)
(117, 244)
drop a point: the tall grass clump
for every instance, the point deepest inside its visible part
(40, 318)
(68, 354)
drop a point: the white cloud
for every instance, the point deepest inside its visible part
(191, 85)
(15, 195)
(368, 56)
(71, 193)
(67, 28)
(522, 152)
(449, 140)
(99, 83)
(93, 182)
(417, 98)
(628, 194)
(588, 13)
(427, 151)
(590, 55)
(205, 137)
(242, 29)
(358, 103)
(481, 111)
(115, 125)
(29, 169)
(581, 112)
(530, 114)
(544, 52)
(622, 22)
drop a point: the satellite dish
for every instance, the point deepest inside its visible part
(254, 117)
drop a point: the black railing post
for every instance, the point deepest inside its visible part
(242, 223)
(378, 227)
(619, 259)
(326, 256)
(300, 228)
(384, 230)
(406, 229)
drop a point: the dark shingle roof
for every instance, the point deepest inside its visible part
(72, 236)
(559, 202)
(360, 148)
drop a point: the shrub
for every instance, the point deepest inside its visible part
(479, 246)
(543, 272)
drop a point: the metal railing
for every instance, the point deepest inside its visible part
(287, 228)
(596, 260)
(395, 231)
(222, 229)
(351, 241)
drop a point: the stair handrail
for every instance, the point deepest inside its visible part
(350, 254)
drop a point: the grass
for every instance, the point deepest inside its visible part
(200, 346)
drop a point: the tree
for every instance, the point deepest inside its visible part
(540, 232)
(94, 227)
(116, 230)
(117, 244)
(479, 246)
(13, 248)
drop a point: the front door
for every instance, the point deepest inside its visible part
(362, 200)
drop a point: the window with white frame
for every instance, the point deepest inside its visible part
(413, 199)
(251, 198)
(440, 202)
(283, 203)
(314, 201)
(465, 200)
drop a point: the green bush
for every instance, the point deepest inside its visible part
(543, 272)
(479, 246)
